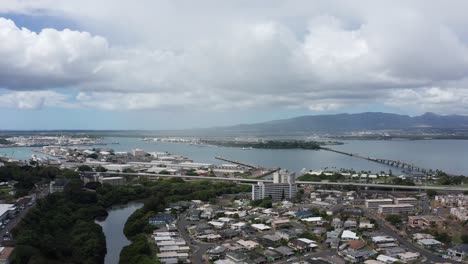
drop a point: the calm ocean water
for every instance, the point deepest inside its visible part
(448, 155)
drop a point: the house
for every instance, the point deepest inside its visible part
(216, 252)
(356, 244)
(216, 224)
(280, 223)
(386, 259)
(350, 225)
(349, 235)
(248, 244)
(394, 251)
(302, 244)
(458, 253)
(304, 214)
(236, 257)
(286, 234)
(336, 223)
(313, 220)
(429, 243)
(356, 256)
(365, 225)
(261, 227)
(284, 251)
(419, 236)
(272, 255)
(425, 221)
(383, 239)
(409, 256)
(161, 219)
(270, 240)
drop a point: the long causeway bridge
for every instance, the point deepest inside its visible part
(392, 163)
(238, 162)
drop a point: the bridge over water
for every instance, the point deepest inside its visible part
(392, 163)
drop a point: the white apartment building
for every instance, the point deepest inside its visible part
(282, 188)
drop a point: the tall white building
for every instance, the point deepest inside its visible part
(283, 187)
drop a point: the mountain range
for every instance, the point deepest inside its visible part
(339, 123)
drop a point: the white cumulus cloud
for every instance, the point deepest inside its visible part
(212, 55)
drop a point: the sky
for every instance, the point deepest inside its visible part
(171, 64)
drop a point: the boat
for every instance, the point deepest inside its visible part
(247, 148)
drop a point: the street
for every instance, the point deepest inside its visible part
(40, 193)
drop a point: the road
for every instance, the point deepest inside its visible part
(41, 193)
(198, 248)
(370, 185)
(387, 229)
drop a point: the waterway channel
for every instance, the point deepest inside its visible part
(113, 227)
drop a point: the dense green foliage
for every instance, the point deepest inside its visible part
(393, 219)
(265, 202)
(400, 181)
(336, 177)
(27, 176)
(443, 237)
(431, 193)
(61, 229)
(137, 252)
(444, 179)
(270, 144)
(464, 238)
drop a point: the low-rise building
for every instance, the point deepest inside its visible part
(386, 259)
(112, 180)
(424, 221)
(303, 244)
(429, 243)
(458, 253)
(383, 239)
(461, 213)
(374, 203)
(280, 223)
(349, 235)
(409, 256)
(406, 200)
(248, 244)
(58, 185)
(395, 208)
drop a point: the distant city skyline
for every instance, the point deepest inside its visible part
(83, 64)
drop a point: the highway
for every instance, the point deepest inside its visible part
(253, 181)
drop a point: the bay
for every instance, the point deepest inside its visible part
(448, 155)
